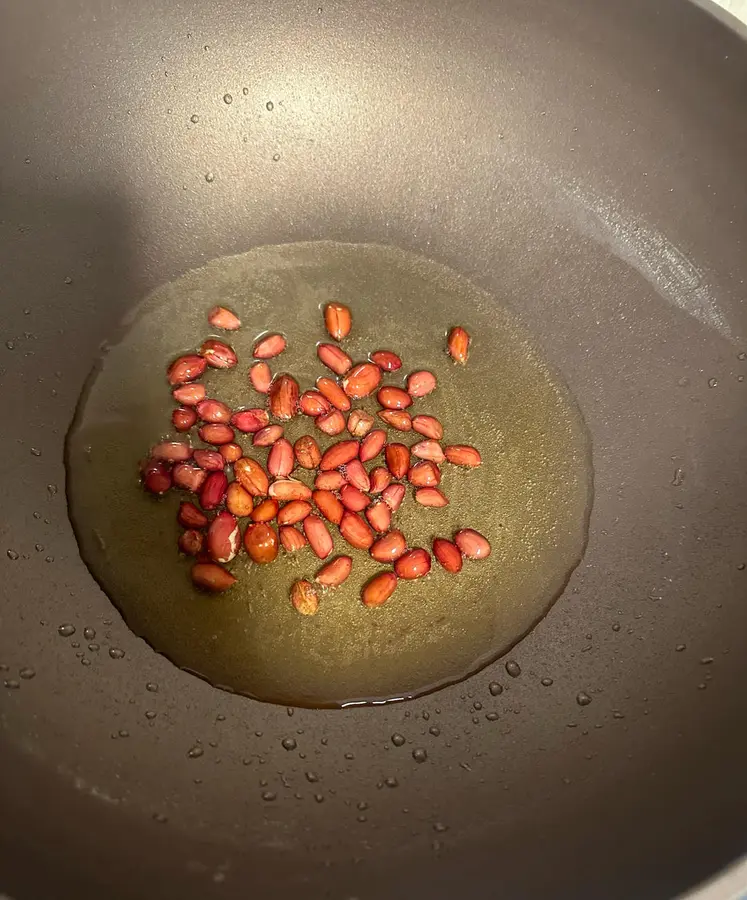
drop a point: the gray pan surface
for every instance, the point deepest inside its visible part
(587, 164)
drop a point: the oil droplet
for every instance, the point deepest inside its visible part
(362, 805)
(391, 782)
(495, 688)
(209, 177)
(440, 827)
(269, 796)
(35, 451)
(27, 672)
(89, 633)
(195, 752)
(152, 687)
(312, 777)
(712, 382)
(194, 119)
(150, 714)
(289, 744)
(52, 489)
(546, 682)
(276, 157)
(10, 345)
(513, 668)
(245, 91)
(435, 731)
(678, 477)
(227, 99)
(491, 716)
(583, 699)
(680, 647)
(116, 653)
(742, 355)
(270, 105)
(66, 630)
(419, 755)
(85, 661)
(161, 818)
(319, 798)
(12, 684)
(615, 626)
(398, 739)
(12, 554)
(38, 547)
(477, 705)
(706, 661)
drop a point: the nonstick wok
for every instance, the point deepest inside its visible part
(583, 162)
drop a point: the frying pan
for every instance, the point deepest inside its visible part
(582, 162)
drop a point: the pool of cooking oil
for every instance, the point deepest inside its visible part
(531, 497)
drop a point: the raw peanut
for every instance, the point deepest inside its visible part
(331, 423)
(379, 589)
(191, 542)
(283, 397)
(372, 444)
(334, 358)
(183, 418)
(265, 510)
(189, 516)
(249, 421)
(339, 454)
(213, 411)
(338, 320)
(329, 481)
(157, 479)
(210, 460)
(220, 317)
(379, 517)
(386, 360)
(223, 537)
(361, 380)
(393, 397)
(188, 477)
(458, 344)
(261, 542)
(186, 368)
(432, 497)
(353, 499)
(472, 544)
(448, 555)
(393, 496)
(380, 478)
(291, 538)
(230, 452)
(318, 536)
(397, 459)
(420, 384)
(334, 572)
(396, 418)
(389, 548)
(312, 403)
(212, 577)
(424, 474)
(355, 531)
(238, 500)
(269, 346)
(413, 564)
(308, 454)
(461, 455)
(216, 434)
(293, 512)
(360, 422)
(171, 451)
(430, 450)
(189, 394)
(280, 460)
(304, 597)
(357, 475)
(214, 490)
(428, 427)
(289, 489)
(251, 476)
(332, 392)
(218, 354)
(260, 377)
(267, 436)
(329, 506)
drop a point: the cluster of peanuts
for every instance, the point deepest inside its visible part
(358, 501)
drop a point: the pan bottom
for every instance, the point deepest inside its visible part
(531, 497)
